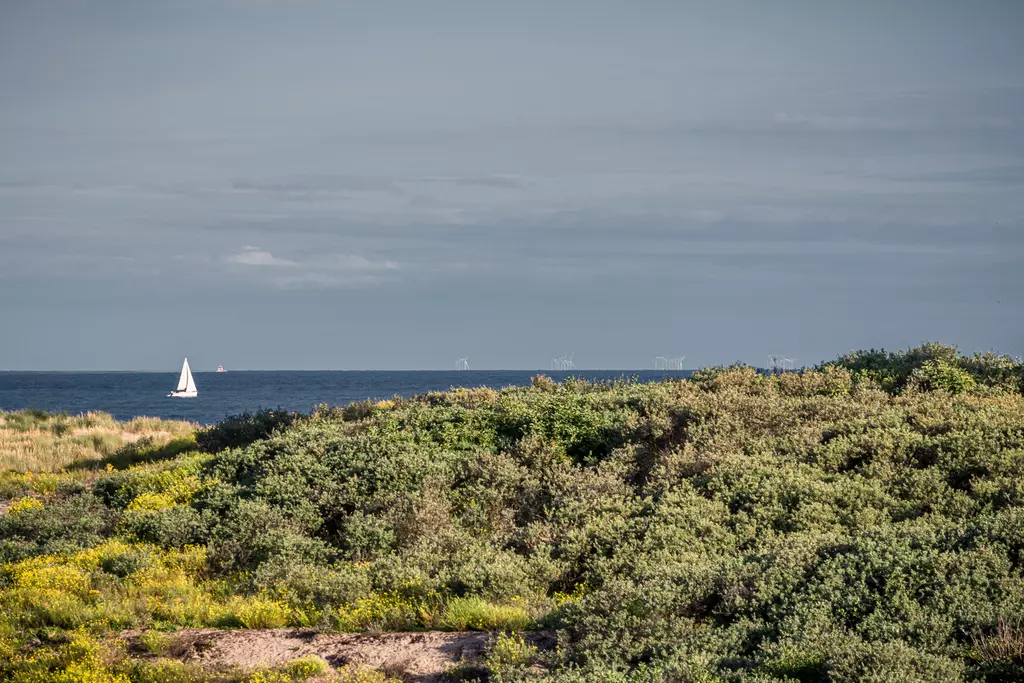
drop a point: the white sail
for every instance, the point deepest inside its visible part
(190, 384)
(186, 385)
(185, 378)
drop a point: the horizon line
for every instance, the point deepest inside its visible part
(452, 370)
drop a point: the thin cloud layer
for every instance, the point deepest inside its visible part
(317, 271)
(253, 256)
(497, 181)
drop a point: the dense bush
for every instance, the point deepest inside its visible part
(935, 366)
(239, 431)
(861, 521)
(60, 526)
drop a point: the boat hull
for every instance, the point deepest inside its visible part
(183, 394)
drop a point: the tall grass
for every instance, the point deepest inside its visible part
(34, 441)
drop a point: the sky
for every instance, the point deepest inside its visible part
(308, 184)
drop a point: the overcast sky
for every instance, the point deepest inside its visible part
(344, 185)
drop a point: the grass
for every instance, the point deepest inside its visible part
(477, 614)
(34, 441)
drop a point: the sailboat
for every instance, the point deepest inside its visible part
(186, 385)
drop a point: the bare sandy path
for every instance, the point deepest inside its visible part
(414, 657)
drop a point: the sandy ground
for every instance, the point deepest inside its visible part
(414, 657)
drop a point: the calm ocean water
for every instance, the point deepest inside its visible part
(130, 394)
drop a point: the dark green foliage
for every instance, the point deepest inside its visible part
(63, 525)
(315, 584)
(239, 431)
(253, 532)
(169, 527)
(125, 563)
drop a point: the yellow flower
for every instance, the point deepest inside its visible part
(25, 504)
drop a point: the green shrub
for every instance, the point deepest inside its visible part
(508, 658)
(939, 374)
(173, 527)
(155, 642)
(242, 430)
(78, 521)
(125, 563)
(891, 661)
(305, 585)
(934, 366)
(305, 667)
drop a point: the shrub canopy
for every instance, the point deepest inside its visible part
(860, 521)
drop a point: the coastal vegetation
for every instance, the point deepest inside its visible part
(860, 521)
(36, 441)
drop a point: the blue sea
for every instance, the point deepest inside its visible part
(130, 394)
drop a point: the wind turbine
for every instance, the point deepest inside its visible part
(462, 363)
(789, 361)
(569, 365)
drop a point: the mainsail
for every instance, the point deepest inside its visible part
(186, 385)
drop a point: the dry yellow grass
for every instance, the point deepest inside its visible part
(32, 441)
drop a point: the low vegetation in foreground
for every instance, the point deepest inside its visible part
(38, 442)
(862, 521)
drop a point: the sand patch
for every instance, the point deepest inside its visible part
(415, 657)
